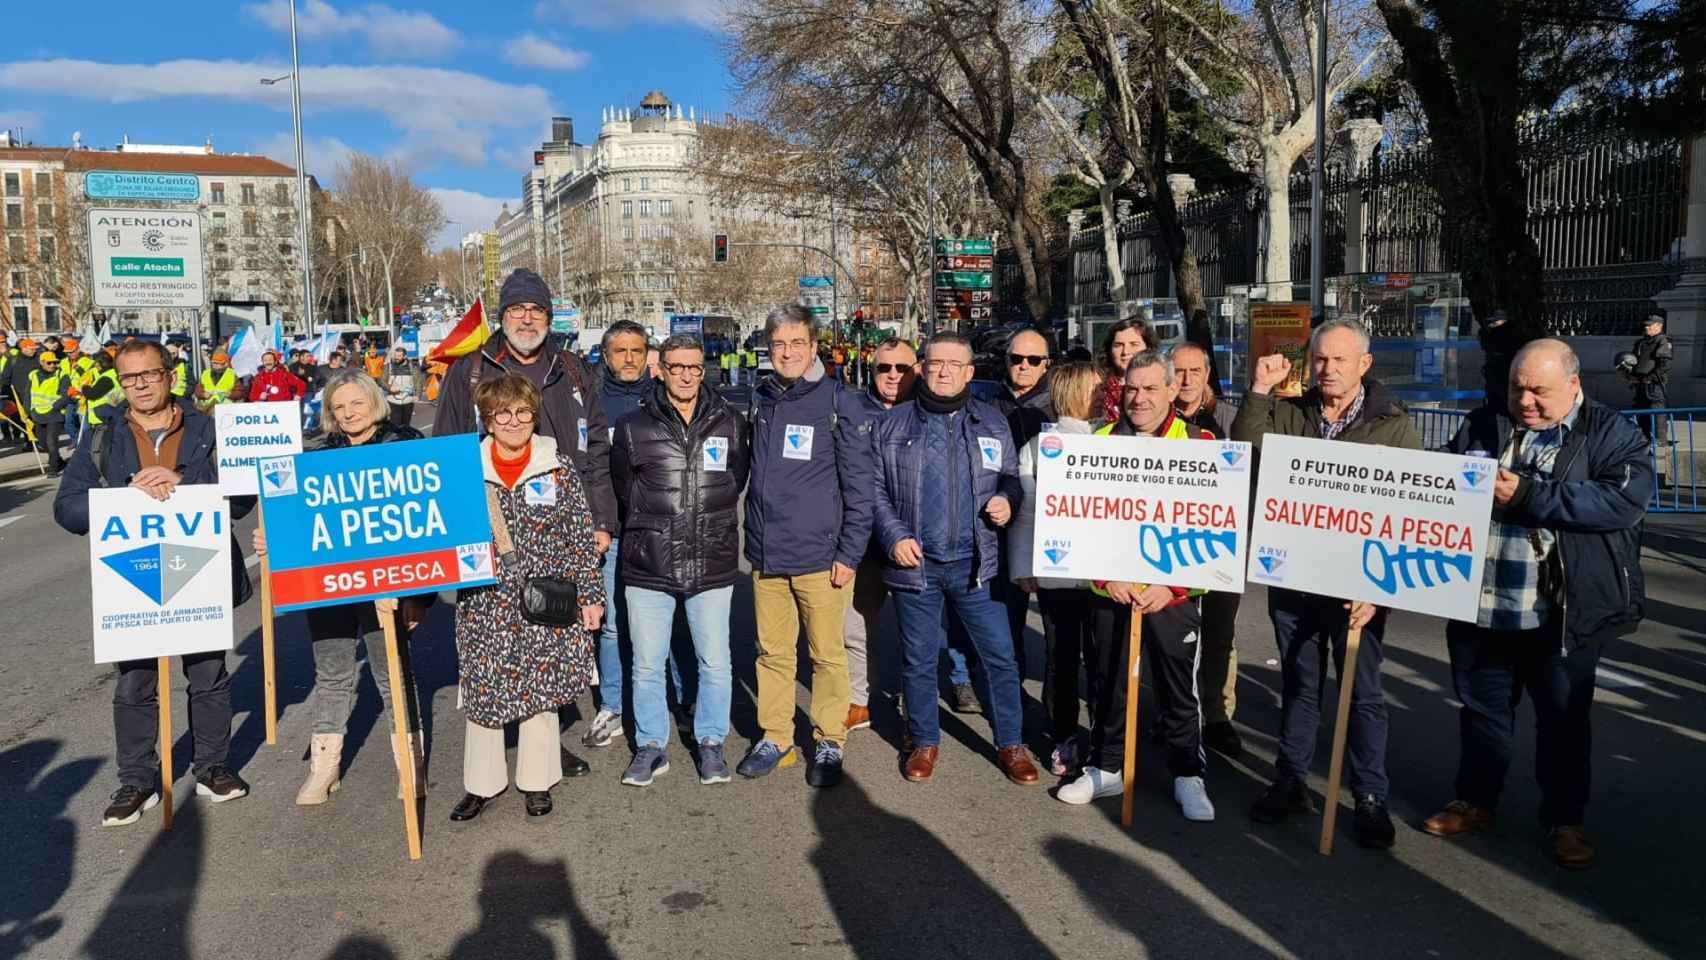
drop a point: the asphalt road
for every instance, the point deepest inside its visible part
(965, 866)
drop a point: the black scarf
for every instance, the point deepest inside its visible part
(931, 403)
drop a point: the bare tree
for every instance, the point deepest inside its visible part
(391, 219)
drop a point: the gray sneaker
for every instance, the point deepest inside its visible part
(712, 767)
(649, 761)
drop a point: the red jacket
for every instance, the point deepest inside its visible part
(277, 384)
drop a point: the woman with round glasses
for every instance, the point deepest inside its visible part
(520, 663)
(355, 413)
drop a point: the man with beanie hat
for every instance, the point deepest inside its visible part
(571, 413)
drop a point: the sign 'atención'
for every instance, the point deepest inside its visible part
(146, 258)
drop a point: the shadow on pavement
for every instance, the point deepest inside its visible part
(149, 914)
(897, 891)
(34, 792)
(518, 897)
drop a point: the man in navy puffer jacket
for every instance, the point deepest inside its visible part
(808, 518)
(947, 479)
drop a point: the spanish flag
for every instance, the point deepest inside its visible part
(465, 338)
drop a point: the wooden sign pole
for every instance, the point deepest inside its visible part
(163, 671)
(400, 726)
(1133, 663)
(269, 661)
(1336, 768)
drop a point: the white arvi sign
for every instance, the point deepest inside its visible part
(159, 572)
(1142, 510)
(249, 431)
(146, 258)
(1396, 528)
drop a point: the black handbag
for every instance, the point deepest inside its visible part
(550, 602)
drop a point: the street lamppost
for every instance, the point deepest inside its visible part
(305, 234)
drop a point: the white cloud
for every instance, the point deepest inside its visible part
(604, 14)
(388, 31)
(321, 156)
(27, 119)
(531, 50)
(444, 115)
(471, 211)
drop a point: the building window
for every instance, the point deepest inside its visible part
(250, 263)
(219, 223)
(666, 208)
(19, 280)
(20, 316)
(221, 263)
(627, 209)
(627, 231)
(46, 249)
(15, 247)
(44, 183)
(665, 231)
(44, 215)
(250, 223)
(281, 194)
(248, 193)
(217, 193)
(50, 318)
(645, 183)
(627, 185)
(14, 185)
(645, 208)
(14, 216)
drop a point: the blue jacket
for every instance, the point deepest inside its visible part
(197, 463)
(620, 399)
(808, 504)
(899, 444)
(1594, 501)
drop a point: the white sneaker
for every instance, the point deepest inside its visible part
(1192, 796)
(606, 726)
(1093, 784)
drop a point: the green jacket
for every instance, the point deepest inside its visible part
(1383, 420)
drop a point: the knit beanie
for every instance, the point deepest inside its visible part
(523, 286)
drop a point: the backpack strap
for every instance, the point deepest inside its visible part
(100, 450)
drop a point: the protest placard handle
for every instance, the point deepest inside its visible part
(400, 727)
(1336, 768)
(163, 676)
(1133, 662)
(269, 662)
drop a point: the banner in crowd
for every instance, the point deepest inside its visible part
(1142, 510)
(159, 572)
(386, 520)
(1282, 328)
(1396, 528)
(247, 433)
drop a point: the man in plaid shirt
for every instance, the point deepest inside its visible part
(1562, 577)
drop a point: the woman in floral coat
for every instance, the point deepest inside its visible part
(513, 670)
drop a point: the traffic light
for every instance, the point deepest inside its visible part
(720, 251)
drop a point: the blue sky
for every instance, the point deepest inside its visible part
(460, 93)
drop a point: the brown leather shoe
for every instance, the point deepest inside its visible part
(1570, 848)
(921, 764)
(1016, 763)
(858, 718)
(1458, 817)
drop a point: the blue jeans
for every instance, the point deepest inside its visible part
(921, 640)
(610, 635)
(651, 622)
(73, 424)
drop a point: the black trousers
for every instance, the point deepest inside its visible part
(1066, 635)
(1490, 670)
(1306, 626)
(47, 439)
(402, 413)
(1171, 641)
(136, 716)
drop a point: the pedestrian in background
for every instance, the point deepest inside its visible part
(1120, 343)
(518, 664)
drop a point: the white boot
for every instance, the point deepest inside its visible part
(417, 755)
(324, 756)
(1192, 796)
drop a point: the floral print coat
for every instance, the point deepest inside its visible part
(512, 669)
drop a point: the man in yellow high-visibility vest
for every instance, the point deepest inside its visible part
(180, 370)
(80, 368)
(102, 391)
(50, 395)
(218, 382)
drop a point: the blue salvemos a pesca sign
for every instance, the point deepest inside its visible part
(387, 520)
(122, 185)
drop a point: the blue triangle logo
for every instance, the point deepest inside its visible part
(1268, 563)
(276, 477)
(715, 453)
(794, 440)
(1054, 555)
(472, 560)
(1472, 478)
(140, 568)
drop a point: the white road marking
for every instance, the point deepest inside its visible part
(8, 521)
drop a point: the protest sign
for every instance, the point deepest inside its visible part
(248, 432)
(1142, 510)
(1282, 328)
(159, 572)
(1395, 528)
(365, 523)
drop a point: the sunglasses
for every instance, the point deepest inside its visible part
(883, 368)
(1014, 359)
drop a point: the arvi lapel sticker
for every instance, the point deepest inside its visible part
(991, 447)
(540, 491)
(716, 454)
(797, 442)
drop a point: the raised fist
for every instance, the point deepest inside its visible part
(1271, 371)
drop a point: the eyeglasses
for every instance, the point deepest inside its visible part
(883, 368)
(521, 311)
(1014, 359)
(952, 366)
(790, 346)
(504, 418)
(692, 369)
(141, 376)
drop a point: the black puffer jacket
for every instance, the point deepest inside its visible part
(679, 486)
